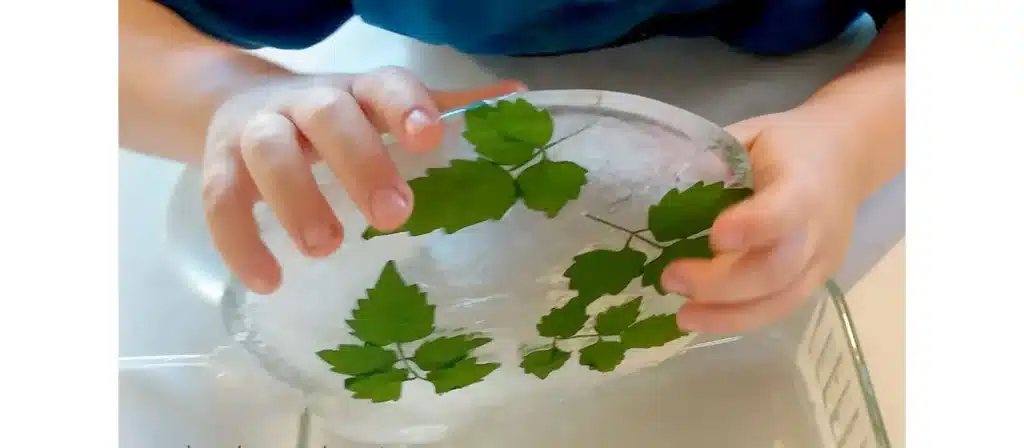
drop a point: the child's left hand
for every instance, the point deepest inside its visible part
(777, 247)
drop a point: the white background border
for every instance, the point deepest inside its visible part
(964, 245)
(59, 236)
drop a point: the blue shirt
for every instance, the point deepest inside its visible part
(536, 27)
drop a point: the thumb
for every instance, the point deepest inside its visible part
(452, 99)
(746, 131)
(765, 218)
(775, 210)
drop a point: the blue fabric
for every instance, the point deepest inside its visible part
(535, 27)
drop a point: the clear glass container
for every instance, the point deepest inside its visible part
(799, 383)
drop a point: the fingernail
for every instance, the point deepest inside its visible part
(317, 237)
(683, 321)
(261, 285)
(691, 327)
(416, 122)
(674, 284)
(389, 208)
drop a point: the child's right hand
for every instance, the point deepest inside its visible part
(261, 142)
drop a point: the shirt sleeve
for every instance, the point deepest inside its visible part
(253, 24)
(882, 10)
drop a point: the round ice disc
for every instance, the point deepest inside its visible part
(468, 307)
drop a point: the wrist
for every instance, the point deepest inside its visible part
(226, 74)
(869, 100)
(865, 116)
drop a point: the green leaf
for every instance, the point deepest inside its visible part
(465, 193)
(378, 387)
(653, 331)
(695, 248)
(521, 120)
(614, 320)
(370, 232)
(509, 132)
(682, 214)
(462, 374)
(358, 360)
(542, 363)
(392, 312)
(603, 356)
(604, 272)
(451, 198)
(564, 321)
(445, 351)
(547, 186)
(489, 140)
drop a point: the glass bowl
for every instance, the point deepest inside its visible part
(800, 383)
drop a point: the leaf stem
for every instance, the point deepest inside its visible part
(543, 152)
(568, 136)
(582, 336)
(608, 223)
(405, 360)
(531, 159)
(632, 233)
(648, 241)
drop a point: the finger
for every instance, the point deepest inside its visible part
(775, 211)
(746, 131)
(750, 316)
(397, 102)
(271, 151)
(351, 147)
(739, 276)
(228, 196)
(454, 99)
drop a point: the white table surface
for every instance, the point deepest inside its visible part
(160, 314)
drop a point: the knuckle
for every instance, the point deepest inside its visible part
(804, 289)
(216, 192)
(385, 84)
(778, 280)
(781, 264)
(802, 195)
(265, 133)
(319, 104)
(392, 73)
(776, 273)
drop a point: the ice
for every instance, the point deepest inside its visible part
(496, 277)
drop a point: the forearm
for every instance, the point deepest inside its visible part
(172, 78)
(870, 100)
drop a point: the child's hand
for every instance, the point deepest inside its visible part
(777, 247)
(261, 142)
